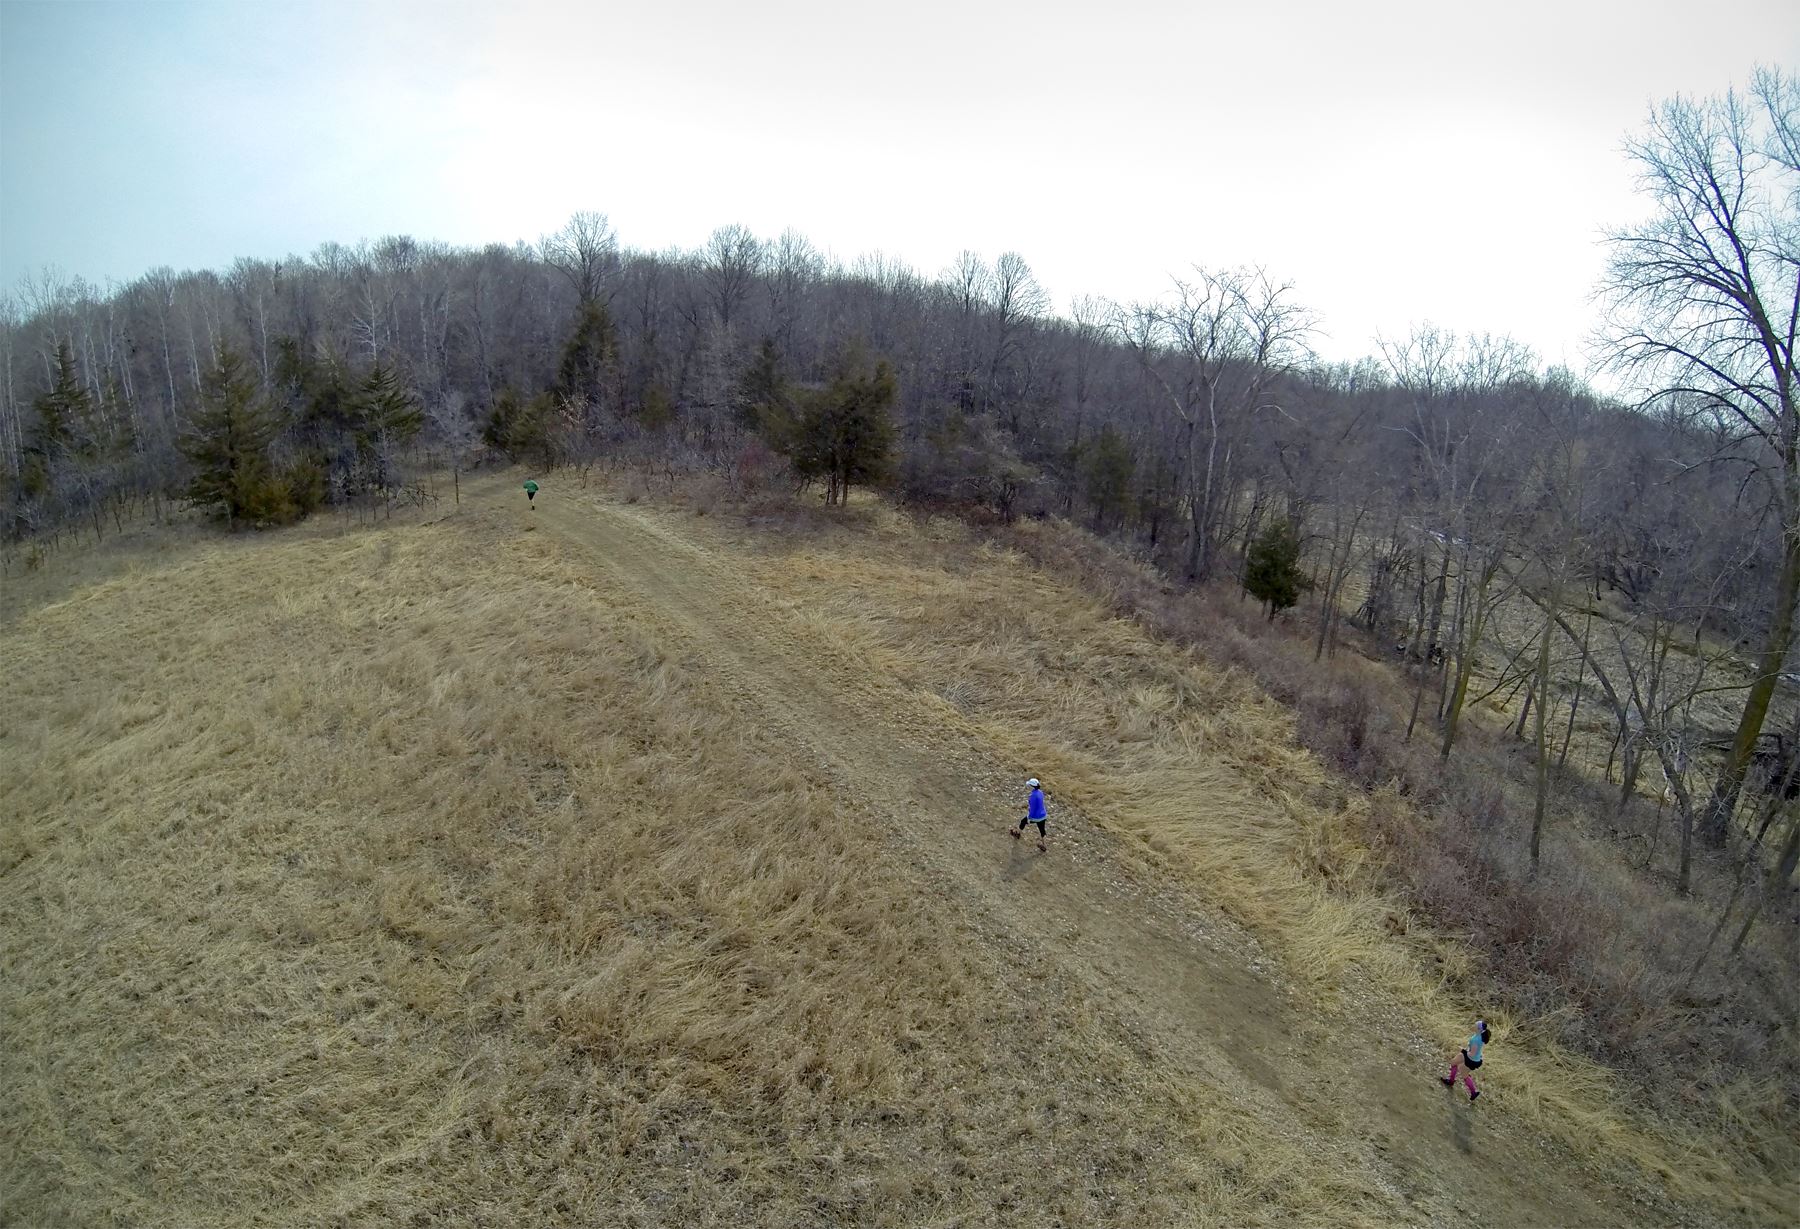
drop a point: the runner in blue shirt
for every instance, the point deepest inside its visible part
(1471, 1057)
(1035, 814)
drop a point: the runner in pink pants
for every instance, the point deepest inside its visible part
(1471, 1059)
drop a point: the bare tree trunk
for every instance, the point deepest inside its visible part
(1746, 869)
(1327, 602)
(1420, 652)
(1474, 623)
(1675, 775)
(12, 426)
(1628, 772)
(1779, 874)
(1715, 825)
(1684, 877)
(1337, 571)
(1453, 656)
(1251, 528)
(1553, 601)
(1562, 760)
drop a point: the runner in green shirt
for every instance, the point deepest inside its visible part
(531, 493)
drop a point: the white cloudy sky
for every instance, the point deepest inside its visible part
(1398, 161)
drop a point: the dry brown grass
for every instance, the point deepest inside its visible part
(1204, 771)
(1593, 954)
(408, 877)
(435, 875)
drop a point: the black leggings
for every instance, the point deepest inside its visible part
(1028, 820)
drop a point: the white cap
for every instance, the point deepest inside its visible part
(1032, 783)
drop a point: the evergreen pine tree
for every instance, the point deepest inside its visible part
(293, 375)
(657, 412)
(384, 410)
(843, 432)
(61, 412)
(1272, 574)
(317, 403)
(502, 421)
(760, 387)
(519, 427)
(1106, 472)
(589, 359)
(228, 440)
(384, 416)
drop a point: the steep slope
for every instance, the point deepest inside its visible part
(602, 865)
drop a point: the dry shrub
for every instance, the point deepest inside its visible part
(1588, 952)
(1342, 726)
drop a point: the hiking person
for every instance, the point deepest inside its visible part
(1035, 814)
(531, 493)
(1471, 1059)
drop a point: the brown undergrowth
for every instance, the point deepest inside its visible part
(1595, 951)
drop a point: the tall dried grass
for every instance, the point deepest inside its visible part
(1591, 954)
(1231, 788)
(409, 877)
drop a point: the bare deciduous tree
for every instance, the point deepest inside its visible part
(1212, 349)
(794, 267)
(731, 261)
(1017, 302)
(1706, 301)
(586, 252)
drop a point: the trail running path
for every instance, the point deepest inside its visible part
(1207, 1005)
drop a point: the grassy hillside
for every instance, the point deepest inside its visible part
(606, 865)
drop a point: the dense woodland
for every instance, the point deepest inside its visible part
(1485, 519)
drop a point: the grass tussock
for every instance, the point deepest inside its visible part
(412, 877)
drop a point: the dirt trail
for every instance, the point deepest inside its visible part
(1206, 1004)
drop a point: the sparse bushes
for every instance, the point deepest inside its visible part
(1336, 724)
(1590, 951)
(963, 462)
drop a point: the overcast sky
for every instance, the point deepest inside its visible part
(1399, 162)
